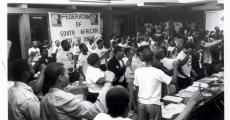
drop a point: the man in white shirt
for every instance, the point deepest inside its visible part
(35, 50)
(65, 56)
(82, 60)
(57, 48)
(207, 57)
(62, 57)
(137, 58)
(94, 77)
(185, 69)
(102, 53)
(148, 81)
(58, 104)
(76, 49)
(161, 56)
(22, 102)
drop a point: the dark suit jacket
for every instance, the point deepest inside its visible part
(114, 66)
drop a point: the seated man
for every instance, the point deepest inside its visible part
(117, 101)
(22, 102)
(60, 105)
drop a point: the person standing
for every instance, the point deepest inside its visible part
(117, 66)
(35, 50)
(56, 49)
(76, 49)
(102, 52)
(94, 77)
(62, 56)
(82, 60)
(184, 77)
(148, 81)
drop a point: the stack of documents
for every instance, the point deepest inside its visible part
(184, 93)
(208, 79)
(200, 84)
(173, 99)
(192, 89)
(172, 109)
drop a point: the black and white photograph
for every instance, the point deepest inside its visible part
(56, 20)
(154, 60)
(94, 19)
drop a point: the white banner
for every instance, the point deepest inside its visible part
(74, 26)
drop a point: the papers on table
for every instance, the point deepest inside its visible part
(219, 74)
(184, 93)
(208, 79)
(201, 84)
(172, 109)
(192, 89)
(188, 92)
(173, 99)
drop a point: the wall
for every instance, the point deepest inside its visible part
(214, 18)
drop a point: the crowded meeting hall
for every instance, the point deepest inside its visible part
(116, 60)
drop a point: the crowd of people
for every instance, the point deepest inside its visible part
(133, 73)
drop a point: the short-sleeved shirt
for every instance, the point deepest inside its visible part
(101, 52)
(37, 55)
(56, 49)
(167, 63)
(149, 80)
(92, 76)
(76, 50)
(82, 60)
(187, 67)
(62, 57)
(136, 63)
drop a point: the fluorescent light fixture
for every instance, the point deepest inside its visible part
(37, 17)
(140, 4)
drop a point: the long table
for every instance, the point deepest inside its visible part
(210, 105)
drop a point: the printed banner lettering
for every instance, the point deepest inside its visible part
(74, 26)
